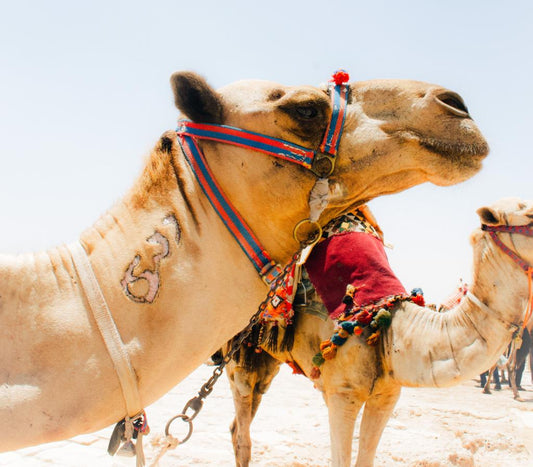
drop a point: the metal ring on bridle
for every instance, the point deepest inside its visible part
(323, 165)
(185, 418)
(312, 237)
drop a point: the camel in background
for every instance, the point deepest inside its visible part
(175, 281)
(421, 348)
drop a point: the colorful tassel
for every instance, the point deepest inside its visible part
(287, 343)
(272, 341)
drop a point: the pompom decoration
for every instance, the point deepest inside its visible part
(338, 340)
(364, 317)
(382, 319)
(328, 349)
(417, 296)
(419, 300)
(372, 318)
(315, 373)
(340, 77)
(318, 359)
(373, 338)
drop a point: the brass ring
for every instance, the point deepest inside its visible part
(311, 238)
(185, 418)
(323, 165)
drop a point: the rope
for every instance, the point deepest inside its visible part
(164, 444)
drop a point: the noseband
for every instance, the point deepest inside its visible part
(321, 162)
(526, 230)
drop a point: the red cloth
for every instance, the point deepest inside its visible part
(355, 258)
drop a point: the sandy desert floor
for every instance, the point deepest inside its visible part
(457, 426)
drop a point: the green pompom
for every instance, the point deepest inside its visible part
(383, 318)
(318, 359)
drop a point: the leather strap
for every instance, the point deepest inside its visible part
(113, 342)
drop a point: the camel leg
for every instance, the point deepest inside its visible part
(531, 362)
(511, 370)
(486, 388)
(248, 387)
(376, 414)
(343, 408)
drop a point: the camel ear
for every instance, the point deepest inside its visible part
(489, 216)
(195, 98)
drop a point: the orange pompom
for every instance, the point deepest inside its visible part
(329, 352)
(373, 338)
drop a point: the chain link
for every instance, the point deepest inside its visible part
(196, 403)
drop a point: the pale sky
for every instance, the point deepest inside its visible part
(84, 96)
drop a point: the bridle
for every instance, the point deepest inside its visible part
(319, 161)
(526, 230)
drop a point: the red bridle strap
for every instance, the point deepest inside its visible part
(526, 230)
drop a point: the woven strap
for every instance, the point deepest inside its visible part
(339, 97)
(254, 250)
(115, 347)
(248, 139)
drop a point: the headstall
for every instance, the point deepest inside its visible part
(526, 230)
(321, 162)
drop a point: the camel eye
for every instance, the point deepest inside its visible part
(306, 112)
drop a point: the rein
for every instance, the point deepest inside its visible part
(320, 162)
(526, 230)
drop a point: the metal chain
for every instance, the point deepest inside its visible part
(196, 403)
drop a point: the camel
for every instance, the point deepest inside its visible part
(421, 348)
(175, 282)
(516, 354)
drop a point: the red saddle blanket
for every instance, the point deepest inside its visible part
(351, 256)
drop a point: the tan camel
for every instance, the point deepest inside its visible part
(422, 348)
(176, 283)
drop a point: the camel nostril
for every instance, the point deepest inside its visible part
(453, 102)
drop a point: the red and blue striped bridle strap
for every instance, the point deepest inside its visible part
(248, 139)
(526, 230)
(188, 132)
(332, 137)
(246, 239)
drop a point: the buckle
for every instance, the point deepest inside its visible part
(270, 272)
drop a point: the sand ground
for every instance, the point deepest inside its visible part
(457, 426)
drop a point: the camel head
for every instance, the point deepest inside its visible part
(396, 134)
(503, 248)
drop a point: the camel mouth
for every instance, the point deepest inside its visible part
(453, 103)
(455, 150)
